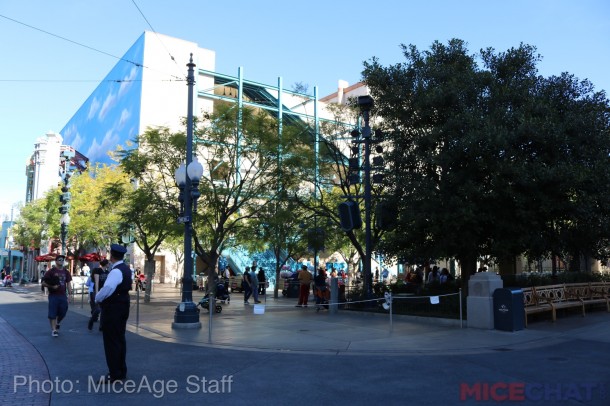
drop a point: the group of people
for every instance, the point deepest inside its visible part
(321, 283)
(435, 276)
(109, 287)
(254, 283)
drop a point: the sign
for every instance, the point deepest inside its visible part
(184, 219)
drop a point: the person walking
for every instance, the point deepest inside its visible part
(262, 282)
(254, 284)
(98, 277)
(305, 282)
(246, 284)
(57, 281)
(113, 298)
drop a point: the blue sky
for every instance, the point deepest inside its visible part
(45, 79)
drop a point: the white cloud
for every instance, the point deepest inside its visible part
(93, 108)
(70, 133)
(77, 142)
(107, 106)
(127, 81)
(99, 152)
(125, 114)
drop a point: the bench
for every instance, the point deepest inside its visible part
(531, 305)
(590, 292)
(549, 298)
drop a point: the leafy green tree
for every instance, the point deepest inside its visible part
(247, 167)
(280, 229)
(492, 161)
(93, 225)
(147, 197)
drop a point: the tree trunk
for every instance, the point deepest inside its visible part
(212, 270)
(508, 266)
(149, 270)
(468, 264)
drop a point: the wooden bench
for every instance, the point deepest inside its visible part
(549, 298)
(531, 305)
(590, 292)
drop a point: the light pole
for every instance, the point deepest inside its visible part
(127, 239)
(187, 178)
(366, 103)
(65, 222)
(10, 254)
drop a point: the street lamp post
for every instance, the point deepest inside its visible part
(10, 254)
(65, 222)
(187, 179)
(366, 103)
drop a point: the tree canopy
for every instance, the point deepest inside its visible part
(490, 158)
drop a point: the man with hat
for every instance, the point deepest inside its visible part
(113, 298)
(57, 281)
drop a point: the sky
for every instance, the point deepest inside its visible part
(55, 53)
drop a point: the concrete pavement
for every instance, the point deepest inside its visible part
(294, 355)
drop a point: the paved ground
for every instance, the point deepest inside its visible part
(296, 356)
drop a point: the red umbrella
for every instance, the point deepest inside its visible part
(90, 257)
(45, 258)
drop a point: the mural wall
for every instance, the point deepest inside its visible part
(111, 115)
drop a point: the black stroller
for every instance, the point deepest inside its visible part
(222, 296)
(205, 304)
(222, 293)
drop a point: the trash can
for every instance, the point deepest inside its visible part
(293, 288)
(508, 309)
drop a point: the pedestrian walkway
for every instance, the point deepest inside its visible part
(263, 354)
(284, 327)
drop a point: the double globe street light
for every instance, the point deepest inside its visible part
(187, 178)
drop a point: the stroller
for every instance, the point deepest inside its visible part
(222, 296)
(222, 293)
(322, 295)
(205, 304)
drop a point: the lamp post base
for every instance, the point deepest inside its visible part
(186, 316)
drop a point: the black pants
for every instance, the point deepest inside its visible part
(115, 345)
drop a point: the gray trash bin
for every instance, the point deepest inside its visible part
(508, 309)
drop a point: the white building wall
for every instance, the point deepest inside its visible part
(46, 155)
(163, 101)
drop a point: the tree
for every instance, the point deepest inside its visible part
(281, 230)
(479, 156)
(147, 199)
(93, 225)
(247, 167)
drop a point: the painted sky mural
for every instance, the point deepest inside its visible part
(111, 115)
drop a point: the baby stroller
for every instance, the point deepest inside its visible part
(322, 297)
(222, 296)
(222, 293)
(205, 304)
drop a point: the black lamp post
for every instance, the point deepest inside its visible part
(187, 179)
(366, 103)
(65, 222)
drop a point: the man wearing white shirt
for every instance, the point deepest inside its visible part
(114, 301)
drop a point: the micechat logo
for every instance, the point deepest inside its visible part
(521, 391)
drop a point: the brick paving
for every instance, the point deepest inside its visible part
(21, 363)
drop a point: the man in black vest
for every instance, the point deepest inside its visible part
(114, 301)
